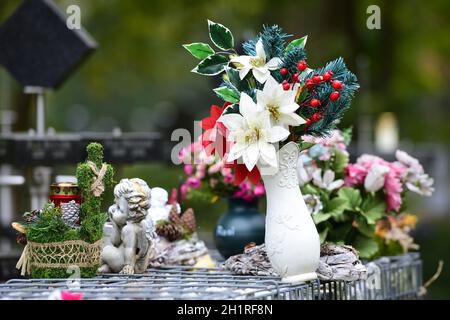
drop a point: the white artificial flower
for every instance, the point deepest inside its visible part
(279, 104)
(375, 177)
(415, 178)
(409, 161)
(420, 184)
(327, 180)
(313, 203)
(304, 173)
(252, 133)
(258, 64)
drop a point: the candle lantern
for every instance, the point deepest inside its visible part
(64, 192)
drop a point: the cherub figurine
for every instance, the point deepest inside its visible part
(129, 236)
(160, 209)
(93, 176)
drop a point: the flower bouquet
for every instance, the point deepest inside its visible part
(209, 179)
(274, 98)
(363, 203)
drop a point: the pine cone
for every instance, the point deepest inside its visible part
(174, 216)
(32, 216)
(188, 219)
(171, 231)
(22, 239)
(70, 214)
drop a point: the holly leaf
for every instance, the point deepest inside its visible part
(233, 77)
(297, 43)
(227, 94)
(353, 197)
(373, 210)
(199, 50)
(367, 247)
(321, 217)
(234, 108)
(212, 65)
(220, 35)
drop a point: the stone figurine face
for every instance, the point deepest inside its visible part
(119, 211)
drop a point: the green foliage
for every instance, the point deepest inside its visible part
(273, 39)
(212, 65)
(50, 227)
(297, 43)
(199, 50)
(227, 94)
(367, 247)
(220, 35)
(339, 162)
(332, 111)
(352, 197)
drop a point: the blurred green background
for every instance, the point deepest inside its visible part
(139, 80)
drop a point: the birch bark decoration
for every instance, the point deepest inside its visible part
(337, 262)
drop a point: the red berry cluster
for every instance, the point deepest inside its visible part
(301, 66)
(334, 96)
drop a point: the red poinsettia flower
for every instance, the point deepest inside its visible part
(213, 138)
(241, 172)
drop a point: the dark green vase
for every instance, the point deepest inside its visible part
(242, 224)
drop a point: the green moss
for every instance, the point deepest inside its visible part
(91, 219)
(61, 273)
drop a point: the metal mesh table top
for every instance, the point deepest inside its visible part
(165, 283)
(398, 277)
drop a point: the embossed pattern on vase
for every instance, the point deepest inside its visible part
(292, 241)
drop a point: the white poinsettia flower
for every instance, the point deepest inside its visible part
(313, 203)
(327, 180)
(374, 180)
(279, 104)
(258, 64)
(252, 133)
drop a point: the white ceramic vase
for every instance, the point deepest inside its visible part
(292, 240)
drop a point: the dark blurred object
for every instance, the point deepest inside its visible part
(38, 48)
(241, 225)
(8, 266)
(21, 149)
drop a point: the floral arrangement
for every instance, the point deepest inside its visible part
(208, 178)
(272, 97)
(63, 235)
(361, 203)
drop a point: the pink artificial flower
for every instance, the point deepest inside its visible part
(228, 178)
(188, 169)
(259, 190)
(183, 190)
(355, 174)
(193, 182)
(67, 295)
(393, 189)
(201, 171)
(216, 167)
(182, 155)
